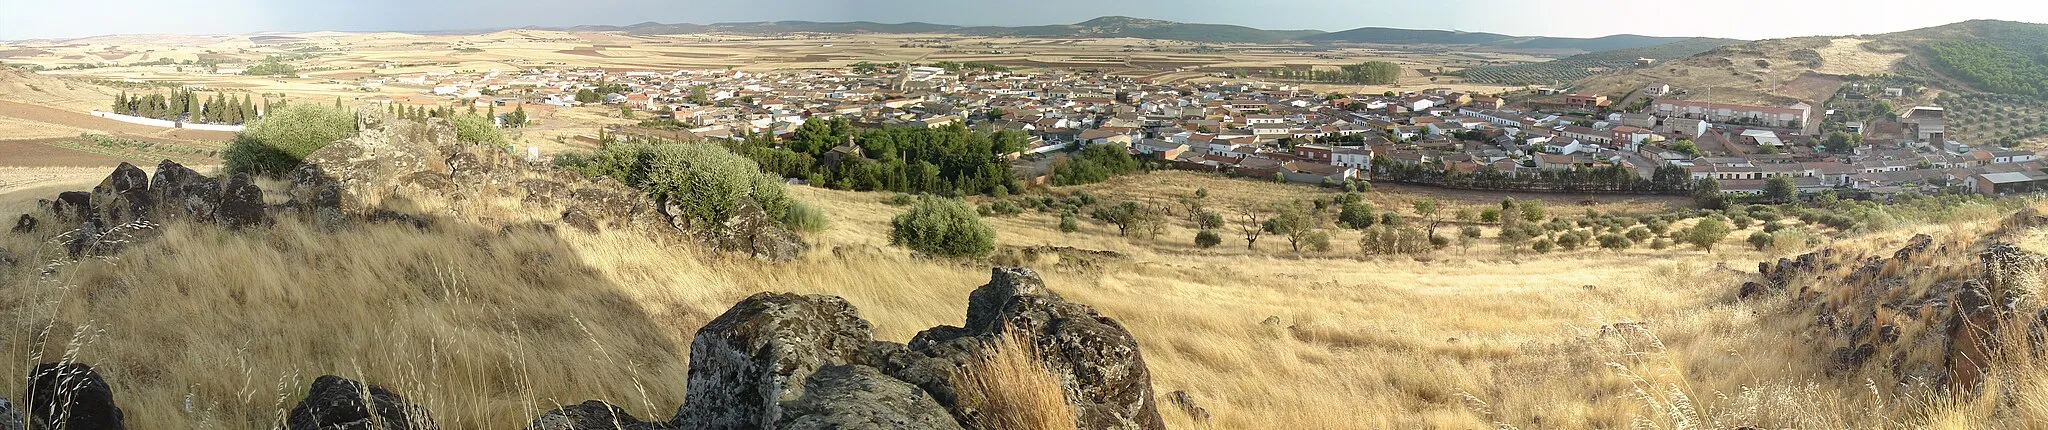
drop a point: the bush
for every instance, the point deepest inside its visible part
(276, 143)
(1760, 240)
(1571, 240)
(1355, 215)
(942, 227)
(900, 199)
(1318, 241)
(1489, 216)
(1660, 244)
(1389, 239)
(1542, 246)
(804, 217)
(1708, 232)
(707, 181)
(1209, 239)
(478, 130)
(1638, 234)
(1615, 242)
(1469, 231)
(1069, 223)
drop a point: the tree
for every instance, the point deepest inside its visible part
(1615, 242)
(1122, 215)
(1708, 232)
(1208, 239)
(1780, 189)
(1841, 142)
(1707, 194)
(625, 111)
(942, 227)
(1490, 216)
(1760, 240)
(1532, 211)
(477, 130)
(1290, 222)
(1209, 220)
(274, 145)
(698, 95)
(1356, 215)
(1429, 210)
(587, 96)
(1542, 246)
(1685, 146)
(517, 118)
(1249, 223)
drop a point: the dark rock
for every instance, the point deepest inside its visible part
(70, 396)
(25, 225)
(10, 419)
(1097, 361)
(578, 219)
(1888, 334)
(860, 397)
(199, 200)
(753, 232)
(1751, 289)
(395, 217)
(241, 203)
(8, 259)
(750, 360)
(126, 178)
(74, 205)
(336, 403)
(591, 415)
(173, 186)
(1848, 359)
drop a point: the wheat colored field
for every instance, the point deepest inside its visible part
(205, 328)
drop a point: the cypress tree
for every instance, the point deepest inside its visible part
(121, 102)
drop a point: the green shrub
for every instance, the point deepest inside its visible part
(1542, 246)
(1069, 223)
(1660, 244)
(1615, 242)
(943, 227)
(707, 181)
(1318, 241)
(1209, 239)
(900, 199)
(1760, 240)
(804, 217)
(1387, 239)
(478, 130)
(276, 143)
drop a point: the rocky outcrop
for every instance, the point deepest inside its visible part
(748, 362)
(788, 361)
(1929, 313)
(591, 415)
(10, 418)
(70, 396)
(336, 403)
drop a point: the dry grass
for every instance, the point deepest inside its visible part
(1011, 385)
(488, 329)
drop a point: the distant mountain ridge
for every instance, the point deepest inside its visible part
(1123, 26)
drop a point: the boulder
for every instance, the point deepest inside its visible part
(347, 175)
(860, 397)
(591, 415)
(241, 203)
(578, 219)
(200, 200)
(748, 362)
(25, 225)
(1096, 360)
(126, 178)
(74, 206)
(70, 396)
(335, 403)
(10, 419)
(752, 232)
(172, 186)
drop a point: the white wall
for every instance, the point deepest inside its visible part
(163, 123)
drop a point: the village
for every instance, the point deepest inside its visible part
(1276, 131)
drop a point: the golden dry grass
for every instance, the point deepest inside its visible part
(488, 329)
(1012, 387)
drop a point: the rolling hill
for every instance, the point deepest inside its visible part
(1971, 57)
(1399, 36)
(1589, 64)
(1124, 26)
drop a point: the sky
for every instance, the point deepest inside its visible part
(1741, 19)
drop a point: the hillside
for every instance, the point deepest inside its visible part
(1398, 36)
(1981, 56)
(1108, 26)
(1589, 64)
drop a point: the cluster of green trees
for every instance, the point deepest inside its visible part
(1095, 163)
(1367, 73)
(271, 68)
(1613, 178)
(190, 106)
(1992, 67)
(950, 160)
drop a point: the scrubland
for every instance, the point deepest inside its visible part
(209, 328)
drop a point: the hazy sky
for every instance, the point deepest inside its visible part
(1745, 19)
